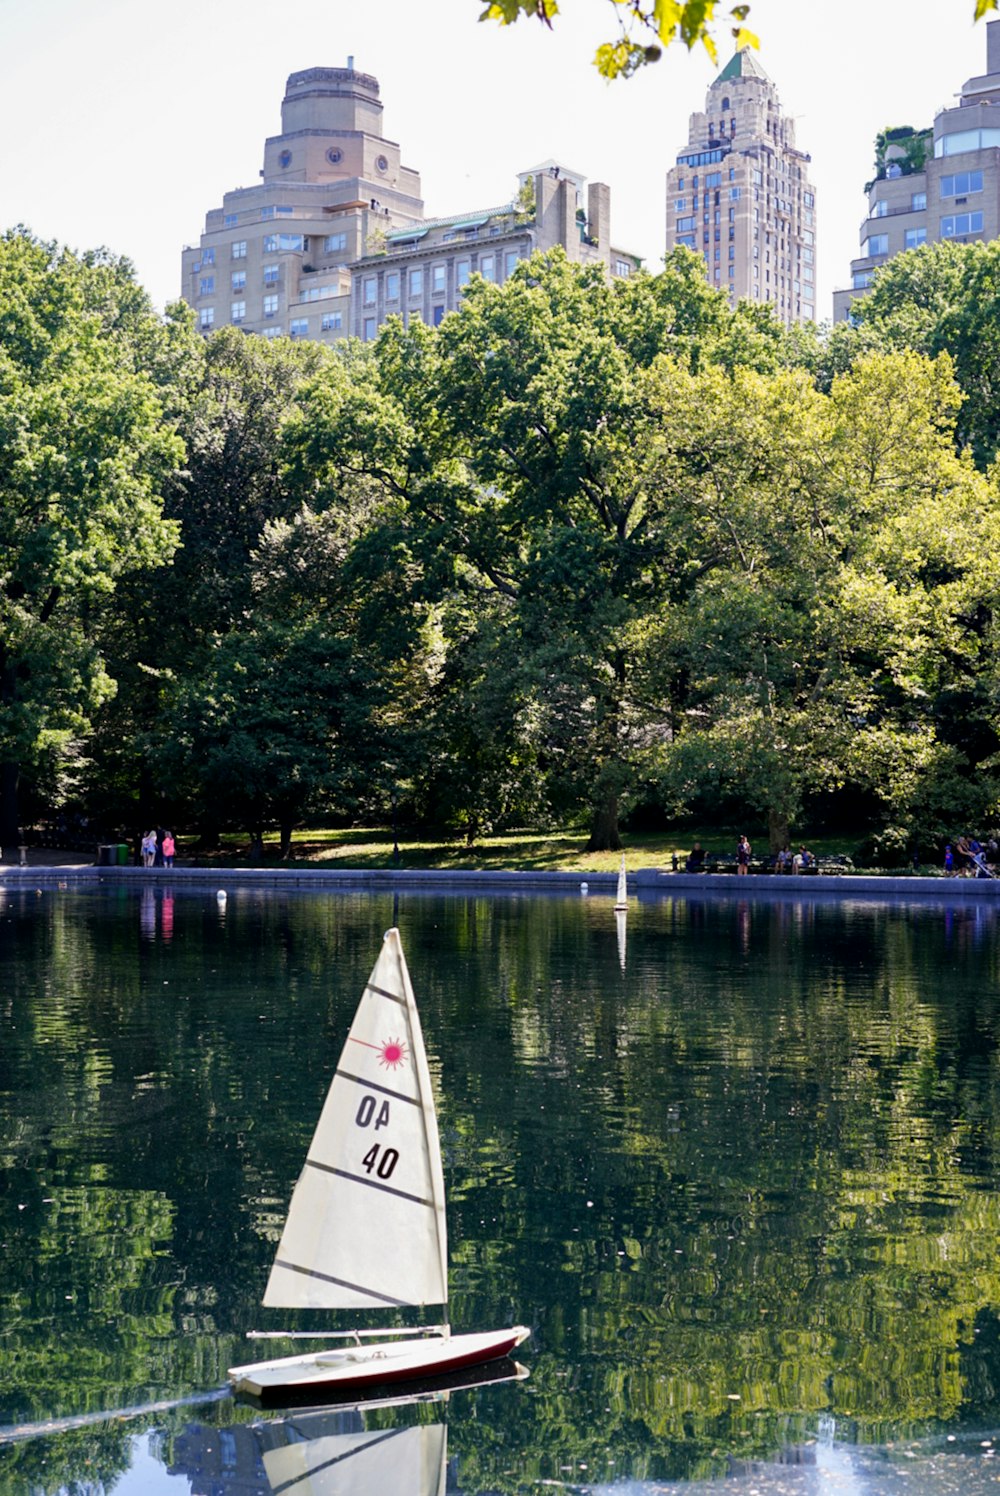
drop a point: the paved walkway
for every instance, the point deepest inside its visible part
(643, 883)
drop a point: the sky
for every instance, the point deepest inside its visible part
(123, 122)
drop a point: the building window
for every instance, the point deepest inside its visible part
(208, 257)
(392, 285)
(437, 278)
(298, 327)
(734, 194)
(918, 202)
(913, 237)
(333, 243)
(713, 179)
(416, 281)
(488, 267)
(880, 209)
(331, 322)
(369, 289)
(732, 272)
(510, 260)
(368, 329)
(271, 275)
(961, 223)
(463, 269)
(961, 184)
(206, 318)
(863, 278)
(239, 280)
(270, 332)
(683, 225)
(231, 220)
(237, 311)
(687, 239)
(270, 306)
(623, 267)
(284, 244)
(240, 249)
(439, 312)
(680, 203)
(206, 286)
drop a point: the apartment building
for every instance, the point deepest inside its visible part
(420, 271)
(934, 184)
(333, 238)
(740, 196)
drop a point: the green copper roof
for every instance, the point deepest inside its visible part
(743, 64)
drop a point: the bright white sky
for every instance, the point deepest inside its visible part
(124, 121)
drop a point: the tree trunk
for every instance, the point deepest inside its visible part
(604, 835)
(285, 827)
(10, 831)
(778, 831)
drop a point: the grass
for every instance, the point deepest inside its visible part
(551, 851)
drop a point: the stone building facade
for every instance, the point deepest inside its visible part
(334, 239)
(740, 196)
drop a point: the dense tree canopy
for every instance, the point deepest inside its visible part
(590, 545)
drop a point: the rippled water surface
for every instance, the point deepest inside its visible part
(736, 1165)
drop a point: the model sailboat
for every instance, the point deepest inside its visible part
(621, 897)
(366, 1227)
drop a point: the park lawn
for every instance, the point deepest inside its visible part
(548, 851)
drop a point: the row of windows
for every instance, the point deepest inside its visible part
(272, 273)
(438, 277)
(954, 224)
(298, 327)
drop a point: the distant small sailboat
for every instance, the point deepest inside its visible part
(366, 1227)
(621, 898)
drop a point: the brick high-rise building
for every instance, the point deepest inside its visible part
(740, 195)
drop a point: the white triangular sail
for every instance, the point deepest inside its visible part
(378, 1462)
(621, 920)
(621, 898)
(366, 1226)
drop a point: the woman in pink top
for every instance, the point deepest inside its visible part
(168, 849)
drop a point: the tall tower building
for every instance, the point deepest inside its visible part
(934, 184)
(740, 195)
(273, 258)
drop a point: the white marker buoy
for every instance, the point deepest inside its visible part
(584, 887)
(222, 896)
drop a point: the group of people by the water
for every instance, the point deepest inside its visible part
(784, 861)
(967, 857)
(157, 849)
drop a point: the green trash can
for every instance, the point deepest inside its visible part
(123, 854)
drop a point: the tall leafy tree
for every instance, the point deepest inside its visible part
(85, 456)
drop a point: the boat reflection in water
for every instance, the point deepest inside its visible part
(345, 1450)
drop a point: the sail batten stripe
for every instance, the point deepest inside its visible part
(311, 1272)
(374, 1184)
(393, 997)
(383, 1090)
(338, 1459)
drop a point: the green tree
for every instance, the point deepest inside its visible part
(86, 456)
(646, 27)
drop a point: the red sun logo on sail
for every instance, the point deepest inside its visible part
(392, 1054)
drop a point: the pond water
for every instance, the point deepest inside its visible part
(740, 1173)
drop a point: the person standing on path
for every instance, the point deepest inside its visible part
(743, 856)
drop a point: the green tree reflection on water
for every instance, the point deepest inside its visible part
(748, 1180)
